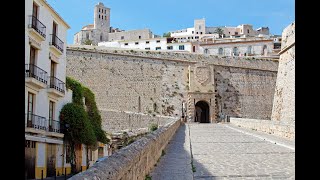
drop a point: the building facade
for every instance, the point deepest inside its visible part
(253, 46)
(161, 44)
(200, 30)
(45, 93)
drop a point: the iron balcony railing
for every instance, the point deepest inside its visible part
(33, 71)
(37, 25)
(55, 41)
(37, 122)
(57, 84)
(54, 126)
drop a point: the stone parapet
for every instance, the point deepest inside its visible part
(277, 128)
(134, 161)
(116, 121)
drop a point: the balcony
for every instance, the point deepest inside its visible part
(56, 45)
(35, 76)
(36, 28)
(35, 122)
(40, 125)
(56, 87)
(55, 128)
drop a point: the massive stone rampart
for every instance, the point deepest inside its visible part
(157, 83)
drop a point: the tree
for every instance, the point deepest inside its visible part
(88, 42)
(84, 125)
(167, 34)
(219, 31)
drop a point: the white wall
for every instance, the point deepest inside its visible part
(41, 155)
(42, 61)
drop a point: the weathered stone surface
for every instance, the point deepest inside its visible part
(134, 161)
(277, 128)
(157, 83)
(284, 98)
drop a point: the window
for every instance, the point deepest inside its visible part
(147, 42)
(99, 9)
(54, 32)
(51, 113)
(192, 32)
(197, 37)
(158, 41)
(102, 17)
(147, 48)
(122, 37)
(99, 16)
(105, 17)
(126, 44)
(235, 51)
(30, 144)
(139, 37)
(199, 26)
(101, 35)
(158, 48)
(236, 33)
(248, 31)
(220, 51)
(181, 47)
(249, 49)
(32, 57)
(136, 43)
(35, 9)
(169, 47)
(206, 51)
(196, 32)
(200, 32)
(87, 35)
(52, 68)
(31, 97)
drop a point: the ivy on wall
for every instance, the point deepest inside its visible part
(84, 123)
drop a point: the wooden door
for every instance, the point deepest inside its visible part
(100, 152)
(51, 160)
(30, 159)
(78, 157)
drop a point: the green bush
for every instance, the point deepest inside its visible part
(153, 127)
(80, 130)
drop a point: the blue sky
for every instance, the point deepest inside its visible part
(165, 15)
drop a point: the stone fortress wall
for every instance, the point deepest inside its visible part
(157, 83)
(283, 110)
(284, 98)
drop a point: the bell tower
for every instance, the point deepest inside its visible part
(102, 18)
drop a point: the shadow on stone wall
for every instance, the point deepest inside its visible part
(227, 98)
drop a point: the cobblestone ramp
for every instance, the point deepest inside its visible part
(176, 162)
(221, 152)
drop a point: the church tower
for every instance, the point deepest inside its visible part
(102, 20)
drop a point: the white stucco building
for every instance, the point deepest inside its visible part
(249, 46)
(45, 91)
(200, 30)
(159, 44)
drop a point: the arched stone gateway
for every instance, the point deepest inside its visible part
(202, 112)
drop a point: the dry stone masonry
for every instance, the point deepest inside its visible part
(159, 83)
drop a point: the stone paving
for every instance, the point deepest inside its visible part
(222, 151)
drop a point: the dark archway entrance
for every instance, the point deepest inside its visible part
(202, 112)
